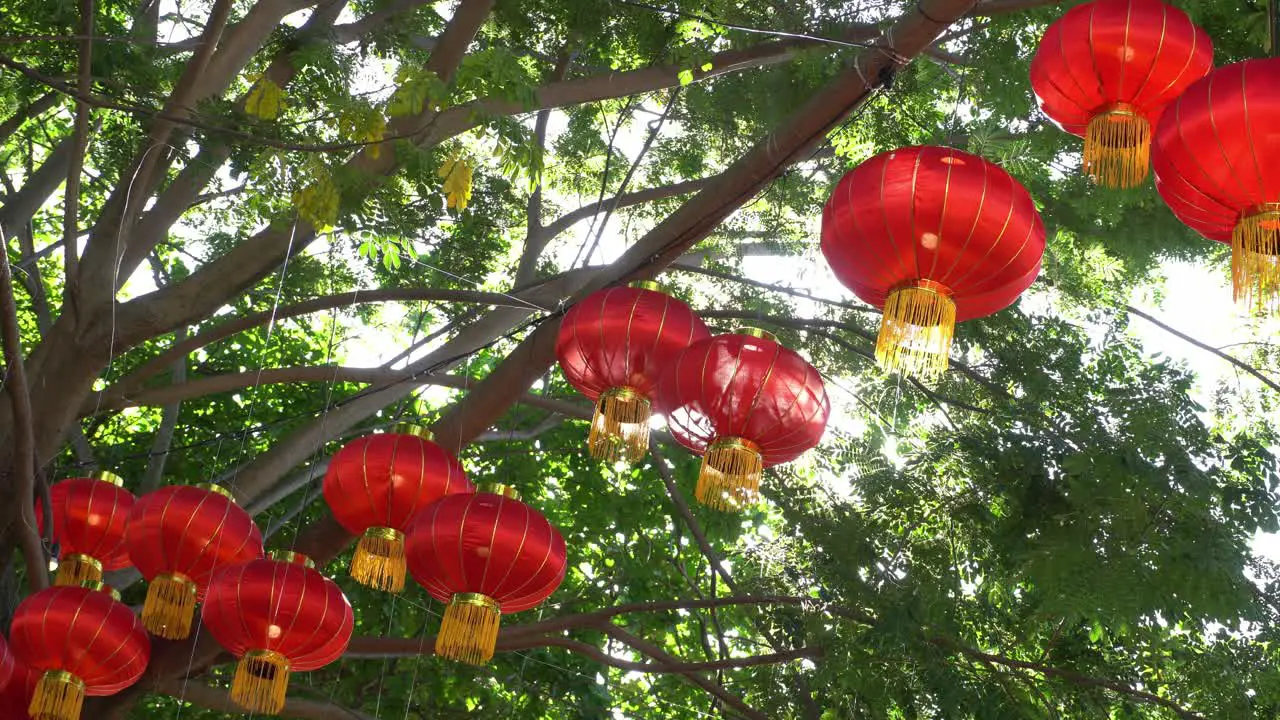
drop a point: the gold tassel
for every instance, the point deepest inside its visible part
(379, 560)
(469, 631)
(915, 333)
(170, 606)
(620, 427)
(58, 696)
(262, 678)
(1255, 259)
(78, 570)
(1117, 148)
(730, 476)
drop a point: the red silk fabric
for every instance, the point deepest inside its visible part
(280, 606)
(935, 214)
(382, 480)
(745, 387)
(488, 544)
(84, 632)
(89, 518)
(624, 336)
(1143, 53)
(15, 694)
(189, 530)
(1216, 151)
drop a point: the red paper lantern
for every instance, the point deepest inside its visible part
(612, 348)
(1216, 156)
(933, 236)
(82, 641)
(375, 485)
(1106, 71)
(744, 402)
(485, 554)
(279, 616)
(8, 665)
(178, 536)
(89, 520)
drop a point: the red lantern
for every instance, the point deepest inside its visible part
(933, 236)
(178, 536)
(375, 485)
(612, 347)
(8, 666)
(89, 520)
(744, 402)
(16, 694)
(82, 641)
(1106, 71)
(279, 616)
(1215, 157)
(485, 554)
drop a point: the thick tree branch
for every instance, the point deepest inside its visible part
(23, 468)
(219, 699)
(23, 114)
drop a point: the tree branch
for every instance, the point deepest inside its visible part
(35, 109)
(1207, 348)
(23, 468)
(219, 699)
(80, 140)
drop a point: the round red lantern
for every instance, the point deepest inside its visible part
(177, 537)
(89, 520)
(1106, 71)
(744, 402)
(82, 641)
(16, 693)
(375, 484)
(933, 236)
(1215, 158)
(612, 347)
(485, 554)
(279, 616)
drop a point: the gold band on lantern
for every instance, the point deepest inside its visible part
(412, 429)
(620, 425)
(730, 476)
(59, 695)
(107, 476)
(1117, 147)
(916, 330)
(496, 488)
(756, 332)
(261, 681)
(1255, 259)
(99, 586)
(292, 557)
(215, 488)
(647, 285)
(77, 568)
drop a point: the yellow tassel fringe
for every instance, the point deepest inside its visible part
(1255, 260)
(1117, 148)
(379, 560)
(59, 695)
(469, 631)
(170, 606)
(915, 333)
(620, 427)
(78, 570)
(730, 475)
(262, 678)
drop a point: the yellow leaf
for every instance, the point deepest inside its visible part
(265, 100)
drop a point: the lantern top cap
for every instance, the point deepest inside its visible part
(653, 285)
(412, 429)
(109, 477)
(291, 557)
(218, 489)
(100, 586)
(494, 488)
(756, 333)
